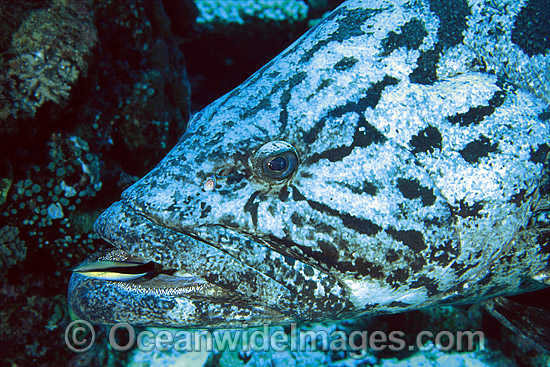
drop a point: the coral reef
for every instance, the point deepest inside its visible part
(46, 61)
(46, 204)
(228, 11)
(12, 249)
(82, 115)
(141, 103)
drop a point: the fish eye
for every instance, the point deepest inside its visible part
(275, 160)
(280, 166)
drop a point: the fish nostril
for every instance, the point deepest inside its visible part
(224, 172)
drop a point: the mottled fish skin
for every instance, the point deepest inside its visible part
(420, 152)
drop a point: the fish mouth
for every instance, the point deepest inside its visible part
(211, 276)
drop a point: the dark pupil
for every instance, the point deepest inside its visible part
(278, 164)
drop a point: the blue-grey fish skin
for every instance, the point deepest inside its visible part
(416, 161)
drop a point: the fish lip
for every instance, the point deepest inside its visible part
(160, 281)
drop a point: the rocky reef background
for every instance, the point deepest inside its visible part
(92, 95)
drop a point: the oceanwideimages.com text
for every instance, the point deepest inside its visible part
(80, 336)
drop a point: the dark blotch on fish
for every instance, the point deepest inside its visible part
(411, 189)
(424, 281)
(427, 140)
(469, 210)
(531, 30)
(478, 149)
(452, 16)
(411, 36)
(398, 277)
(345, 63)
(410, 238)
(476, 114)
(539, 155)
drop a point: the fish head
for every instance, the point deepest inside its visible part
(328, 185)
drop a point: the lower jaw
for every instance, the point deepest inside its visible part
(157, 302)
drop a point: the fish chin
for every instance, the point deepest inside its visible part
(154, 303)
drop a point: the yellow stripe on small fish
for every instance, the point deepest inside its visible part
(115, 270)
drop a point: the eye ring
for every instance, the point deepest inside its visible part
(275, 161)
